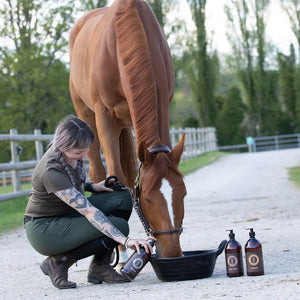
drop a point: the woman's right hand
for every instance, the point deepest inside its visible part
(135, 244)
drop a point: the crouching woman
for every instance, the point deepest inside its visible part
(63, 224)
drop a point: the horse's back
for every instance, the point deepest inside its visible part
(82, 21)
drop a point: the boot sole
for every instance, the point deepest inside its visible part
(94, 280)
(98, 281)
(46, 270)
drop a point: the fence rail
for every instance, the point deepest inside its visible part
(197, 142)
(276, 142)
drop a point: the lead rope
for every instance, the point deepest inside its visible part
(137, 205)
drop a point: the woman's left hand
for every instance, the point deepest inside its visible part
(100, 187)
(135, 244)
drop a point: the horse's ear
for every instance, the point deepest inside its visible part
(143, 153)
(177, 151)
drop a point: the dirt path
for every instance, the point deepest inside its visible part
(236, 192)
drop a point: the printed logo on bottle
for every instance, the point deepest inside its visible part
(232, 261)
(253, 260)
(138, 263)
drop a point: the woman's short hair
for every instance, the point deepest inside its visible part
(71, 133)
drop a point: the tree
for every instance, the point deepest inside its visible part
(250, 49)
(289, 66)
(36, 80)
(201, 67)
(229, 129)
(292, 9)
(287, 76)
(92, 4)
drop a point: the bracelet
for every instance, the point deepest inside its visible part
(89, 187)
(126, 242)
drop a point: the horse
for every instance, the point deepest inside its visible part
(121, 76)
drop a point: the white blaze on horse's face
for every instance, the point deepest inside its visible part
(167, 190)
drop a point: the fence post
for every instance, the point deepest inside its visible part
(276, 143)
(15, 158)
(38, 145)
(4, 178)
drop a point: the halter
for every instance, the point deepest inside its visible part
(137, 203)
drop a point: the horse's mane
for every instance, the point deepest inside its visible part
(134, 53)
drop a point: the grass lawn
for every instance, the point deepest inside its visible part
(294, 175)
(196, 163)
(12, 211)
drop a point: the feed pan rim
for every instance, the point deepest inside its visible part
(192, 253)
(186, 255)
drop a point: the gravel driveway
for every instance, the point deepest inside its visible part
(236, 192)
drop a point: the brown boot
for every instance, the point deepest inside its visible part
(56, 267)
(100, 270)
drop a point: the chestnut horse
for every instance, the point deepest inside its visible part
(121, 75)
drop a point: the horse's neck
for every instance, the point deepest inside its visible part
(147, 71)
(162, 69)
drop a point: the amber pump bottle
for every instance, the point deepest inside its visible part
(254, 256)
(136, 262)
(233, 257)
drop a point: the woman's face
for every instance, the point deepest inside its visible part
(76, 154)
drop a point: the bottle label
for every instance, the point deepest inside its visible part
(234, 264)
(232, 261)
(133, 266)
(254, 262)
(138, 263)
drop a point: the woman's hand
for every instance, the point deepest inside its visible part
(100, 187)
(135, 244)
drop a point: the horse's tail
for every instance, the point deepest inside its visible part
(129, 161)
(135, 58)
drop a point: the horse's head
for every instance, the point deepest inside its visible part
(161, 192)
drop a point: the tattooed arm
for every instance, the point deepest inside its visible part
(95, 216)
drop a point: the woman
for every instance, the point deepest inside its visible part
(63, 224)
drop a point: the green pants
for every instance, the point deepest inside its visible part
(55, 235)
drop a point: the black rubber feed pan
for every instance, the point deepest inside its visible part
(192, 265)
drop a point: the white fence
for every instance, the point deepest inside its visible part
(197, 142)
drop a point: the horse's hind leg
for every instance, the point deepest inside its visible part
(97, 171)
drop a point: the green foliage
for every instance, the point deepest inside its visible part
(288, 72)
(229, 123)
(182, 107)
(93, 4)
(190, 122)
(202, 68)
(249, 62)
(33, 80)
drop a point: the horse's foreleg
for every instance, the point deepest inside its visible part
(109, 131)
(97, 171)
